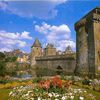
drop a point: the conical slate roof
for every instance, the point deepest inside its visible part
(36, 43)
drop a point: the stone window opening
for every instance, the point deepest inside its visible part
(59, 68)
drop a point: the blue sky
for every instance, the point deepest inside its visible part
(51, 21)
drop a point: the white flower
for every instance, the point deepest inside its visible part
(53, 94)
(14, 88)
(70, 94)
(66, 97)
(50, 95)
(29, 91)
(19, 90)
(27, 94)
(63, 98)
(31, 98)
(81, 98)
(57, 95)
(39, 98)
(56, 99)
(79, 89)
(75, 91)
(85, 91)
(21, 86)
(10, 93)
(23, 96)
(72, 97)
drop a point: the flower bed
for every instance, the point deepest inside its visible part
(53, 89)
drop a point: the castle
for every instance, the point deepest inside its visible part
(87, 60)
(88, 43)
(50, 58)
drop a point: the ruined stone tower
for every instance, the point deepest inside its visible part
(88, 43)
(36, 51)
(50, 50)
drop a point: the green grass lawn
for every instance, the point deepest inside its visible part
(96, 94)
(4, 94)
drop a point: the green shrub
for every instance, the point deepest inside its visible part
(4, 81)
(86, 81)
(37, 79)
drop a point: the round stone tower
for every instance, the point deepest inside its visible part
(36, 51)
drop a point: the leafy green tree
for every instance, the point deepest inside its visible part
(4, 60)
(2, 56)
(2, 64)
(11, 59)
(2, 68)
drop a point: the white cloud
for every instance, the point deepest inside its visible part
(61, 45)
(58, 35)
(44, 29)
(9, 40)
(53, 32)
(9, 35)
(3, 5)
(21, 43)
(5, 49)
(26, 35)
(41, 9)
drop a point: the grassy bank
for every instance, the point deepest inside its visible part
(4, 94)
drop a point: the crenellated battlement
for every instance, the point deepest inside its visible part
(92, 16)
(57, 57)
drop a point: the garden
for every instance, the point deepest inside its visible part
(51, 88)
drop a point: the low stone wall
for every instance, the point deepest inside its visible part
(65, 64)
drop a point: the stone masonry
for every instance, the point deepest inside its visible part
(88, 43)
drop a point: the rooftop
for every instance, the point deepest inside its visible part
(36, 43)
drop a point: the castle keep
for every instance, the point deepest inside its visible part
(52, 59)
(88, 43)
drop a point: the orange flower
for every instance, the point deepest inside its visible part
(56, 81)
(40, 84)
(44, 84)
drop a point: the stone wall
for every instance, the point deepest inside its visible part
(88, 43)
(65, 63)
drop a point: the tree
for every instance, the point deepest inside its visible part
(2, 68)
(11, 59)
(14, 58)
(2, 64)
(2, 56)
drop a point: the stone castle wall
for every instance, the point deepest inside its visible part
(88, 43)
(65, 62)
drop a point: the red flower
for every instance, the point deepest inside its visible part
(44, 84)
(56, 82)
(40, 84)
